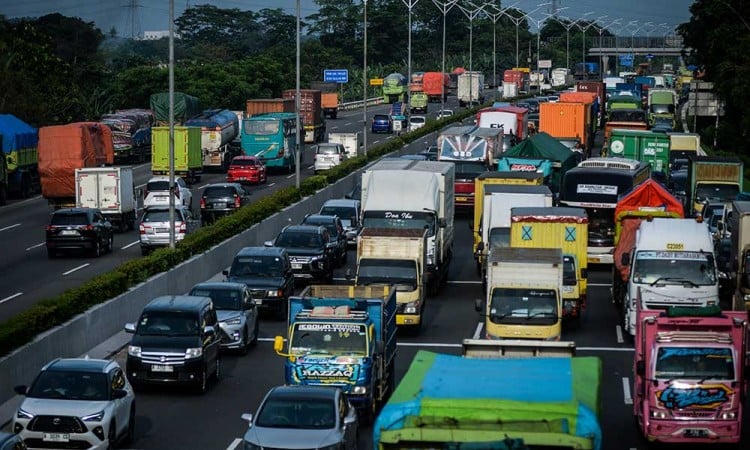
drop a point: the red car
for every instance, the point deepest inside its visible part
(247, 169)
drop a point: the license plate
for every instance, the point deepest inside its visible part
(296, 265)
(160, 368)
(595, 260)
(258, 301)
(55, 437)
(218, 205)
(696, 433)
(161, 197)
(68, 233)
(462, 199)
(161, 230)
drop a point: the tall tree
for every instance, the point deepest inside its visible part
(220, 34)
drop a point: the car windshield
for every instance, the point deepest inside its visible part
(297, 412)
(70, 385)
(694, 363)
(69, 219)
(162, 323)
(219, 191)
(326, 338)
(159, 185)
(327, 149)
(257, 266)
(499, 238)
(160, 216)
(230, 299)
(330, 226)
(299, 240)
(243, 162)
(380, 118)
(345, 212)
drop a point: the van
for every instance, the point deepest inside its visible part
(175, 341)
(382, 123)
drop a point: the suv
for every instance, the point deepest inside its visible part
(157, 192)
(328, 155)
(382, 123)
(335, 231)
(416, 122)
(236, 311)
(76, 403)
(174, 341)
(349, 210)
(79, 229)
(154, 227)
(267, 272)
(222, 199)
(311, 251)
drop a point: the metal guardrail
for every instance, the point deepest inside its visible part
(360, 103)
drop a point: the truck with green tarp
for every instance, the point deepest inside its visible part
(483, 399)
(188, 153)
(185, 107)
(641, 145)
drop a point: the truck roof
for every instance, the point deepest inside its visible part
(392, 232)
(741, 207)
(510, 175)
(526, 255)
(516, 189)
(721, 159)
(663, 234)
(526, 213)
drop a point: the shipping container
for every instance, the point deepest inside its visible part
(269, 105)
(567, 120)
(311, 113)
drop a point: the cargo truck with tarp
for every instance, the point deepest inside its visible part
(185, 107)
(131, 133)
(395, 86)
(21, 162)
(543, 146)
(188, 156)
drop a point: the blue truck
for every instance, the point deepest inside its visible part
(19, 172)
(343, 336)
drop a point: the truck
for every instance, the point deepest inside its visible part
(258, 106)
(329, 97)
(586, 71)
(641, 145)
(444, 398)
(563, 228)
(343, 336)
(418, 102)
(394, 88)
(567, 120)
(399, 193)
(689, 375)
(109, 189)
(436, 86)
(185, 107)
(715, 179)
(514, 78)
(64, 148)
(351, 141)
(219, 128)
(20, 156)
(739, 223)
(512, 119)
(671, 264)
(523, 298)
(662, 105)
(470, 87)
(131, 133)
(560, 77)
(598, 88)
(397, 258)
(188, 155)
(311, 113)
(683, 144)
(593, 111)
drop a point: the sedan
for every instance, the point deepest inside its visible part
(154, 227)
(303, 417)
(247, 169)
(443, 113)
(222, 199)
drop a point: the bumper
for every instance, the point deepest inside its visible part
(245, 178)
(66, 244)
(600, 255)
(408, 320)
(230, 336)
(159, 240)
(464, 202)
(697, 432)
(142, 373)
(87, 440)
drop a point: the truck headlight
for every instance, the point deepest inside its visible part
(195, 352)
(711, 303)
(431, 256)
(274, 293)
(728, 415)
(657, 414)
(134, 350)
(361, 390)
(411, 308)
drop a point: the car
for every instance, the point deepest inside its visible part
(416, 122)
(553, 98)
(430, 152)
(300, 416)
(221, 199)
(382, 123)
(311, 252)
(328, 155)
(236, 311)
(336, 232)
(350, 212)
(11, 441)
(154, 227)
(247, 169)
(76, 403)
(443, 113)
(267, 272)
(156, 192)
(79, 229)
(175, 341)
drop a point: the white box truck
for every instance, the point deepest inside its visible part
(111, 190)
(352, 142)
(470, 87)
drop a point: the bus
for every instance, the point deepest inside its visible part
(596, 185)
(272, 138)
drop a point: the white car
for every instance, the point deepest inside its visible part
(156, 192)
(416, 122)
(76, 403)
(443, 113)
(328, 155)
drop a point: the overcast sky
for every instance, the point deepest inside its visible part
(153, 14)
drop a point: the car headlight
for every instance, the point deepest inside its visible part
(657, 414)
(711, 303)
(21, 414)
(359, 390)
(134, 350)
(96, 417)
(196, 352)
(274, 293)
(235, 321)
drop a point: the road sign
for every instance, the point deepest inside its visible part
(336, 76)
(544, 64)
(376, 81)
(649, 56)
(626, 60)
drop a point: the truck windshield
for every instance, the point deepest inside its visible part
(694, 363)
(400, 273)
(662, 109)
(661, 267)
(412, 220)
(523, 306)
(316, 338)
(716, 192)
(262, 127)
(499, 237)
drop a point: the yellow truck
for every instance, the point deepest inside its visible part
(563, 228)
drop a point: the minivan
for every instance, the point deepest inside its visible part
(382, 123)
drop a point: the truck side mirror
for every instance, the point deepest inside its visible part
(625, 259)
(584, 273)
(640, 368)
(478, 305)
(278, 344)
(442, 223)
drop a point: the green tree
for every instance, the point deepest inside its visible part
(220, 34)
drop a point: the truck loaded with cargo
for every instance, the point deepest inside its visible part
(567, 120)
(188, 155)
(352, 142)
(219, 128)
(131, 133)
(311, 113)
(716, 179)
(512, 119)
(329, 97)
(20, 167)
(641, 145)
(109, 189)
(470, 87)
(435, 86)
(395, 86)
(185, 107)
(739, 224)
(258, 106)
(662, 106)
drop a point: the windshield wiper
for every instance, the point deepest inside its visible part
(678, 279)
(545, 314)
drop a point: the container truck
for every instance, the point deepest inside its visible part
(64, 148)
(641, 145)
(714, 179)
(593, 111)
(739, 223)
(395, 257)
(258, 106)
(219, 128)
(109, 189)
(560, 77)
(394, 88)
(567, 120)
(689, 375)
(512, 119)
(436, 85)
(482, 399)
(21, 161)
(185, 107)
(683, 144)
(131, 133)
(188, 156)
(272, 137)
(329, 97)
(352, 142)
(311, 113)
(343, 336)
(470, 87)
(598, 88)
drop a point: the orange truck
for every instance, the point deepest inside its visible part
(269, 105)
(591, 100)
(435, 85)
(329, 97)
(567, 120)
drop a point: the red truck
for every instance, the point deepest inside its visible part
(512, 119)
(435, 85)
(311, 113)
(514, 76)
(689, 371)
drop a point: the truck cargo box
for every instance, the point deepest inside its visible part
(269, 105)
(185, 107)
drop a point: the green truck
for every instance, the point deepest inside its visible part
(484, 399)
(662, 104)
(641, 145)
(418, 102)
(188, 153)
(185, 107)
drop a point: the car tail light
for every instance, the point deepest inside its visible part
(237, 202)
(183, 228)
(203, 203)
(87, 227)
(141, 229)
(50, 228)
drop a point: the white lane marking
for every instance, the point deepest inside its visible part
(235, 443)
(464, 282)
(618, 331)
(11, 297)
(130, 245)
(626, 391)
(478, 330)
(35, 246)
(10, 226)
(272, 184)
(291, 176)
(76, 268)
(600, 284)
(311, 167)
(347, 124)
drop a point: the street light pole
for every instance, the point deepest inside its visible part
(518, 19)
(471, 14)
(172, 188)
(409, 4)
(297, 103)
(494, 18)
(364, 82)
(444, 7)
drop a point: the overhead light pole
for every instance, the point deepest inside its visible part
(494, 16)
(600, 30)
(518, 19)
(538, 25)
(297, 103)
(364, 80)
(471, 13)
(444, 7)
(567, 24)
(172, 187)
(407, 110)
(583, 28)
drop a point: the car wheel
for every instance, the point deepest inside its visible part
(245, 342)
(97, 251)
(130, 435)
(111, 244)
(111, 436)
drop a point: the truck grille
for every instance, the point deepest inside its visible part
(694, 414)
(258, 293)
(163, 358)
(57, 424)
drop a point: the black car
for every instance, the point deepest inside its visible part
(79, 229)
(311, 252)
(267, 272)
(336, 232)
(222, 199)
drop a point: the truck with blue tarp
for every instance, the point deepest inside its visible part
(343, 336)
(219, 128)
(20, 172)
(484, 399)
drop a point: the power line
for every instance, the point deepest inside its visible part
(133, 21)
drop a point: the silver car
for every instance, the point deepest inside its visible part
(154, 227)
(328, 155)
(302, 416)
(349, 212)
